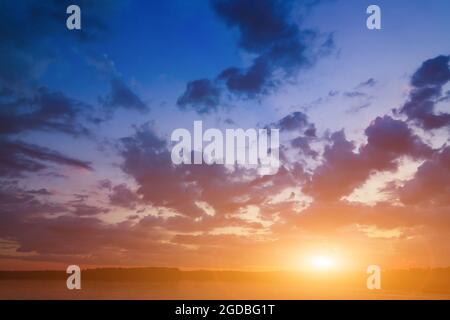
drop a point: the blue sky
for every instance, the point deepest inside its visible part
(173, 42)
(160, 46)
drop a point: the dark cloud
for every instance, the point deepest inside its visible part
(122, 196)
(431, 183)
(266, 30)
(333, 93)
(296, 121)
(359, 92)
(40, 192)
(41, 110)
(249, 81)
(121, 96)
(87, 210)
(50, 229)
(17, 158)
(355, 94)
(17, 203)
(345, 168)
(341, 165)
(146, 158)
(105, 184)
(299, 124)
(358, 108)
(371, 82)
(427, 84)
(260, 25)
(388, 139)
(202, 95)
(229, 121)
(433, 72)
(303, 145)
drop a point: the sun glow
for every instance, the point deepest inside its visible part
(322, 263)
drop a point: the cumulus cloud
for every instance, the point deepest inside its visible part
(203, 95)
(180, 189)
(122, 196)
(431, 183)
(344, 168)
(267, 31)
(297, 121)
(427, 83)
(303, 131)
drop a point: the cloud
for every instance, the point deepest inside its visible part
(296, 121)
(427, 83)
(87, 210)
(431, 183)
(52, 232)
(42, 110)
(121, 96)
(303, 145)
(371, 82)
(146, 158)
(122, 196)
(18, 157)
(345, 168)
(355, 94)
(358, 108)
(42, 192)
(17, 203)
(266, 31)
(433, 72)
(202, 95)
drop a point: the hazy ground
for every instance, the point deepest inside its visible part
(222, 285)
(52, 289)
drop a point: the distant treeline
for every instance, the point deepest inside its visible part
(413, 280)
(146, 274)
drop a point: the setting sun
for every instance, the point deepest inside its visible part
(322, 262)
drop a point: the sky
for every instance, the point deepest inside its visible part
(86, 117)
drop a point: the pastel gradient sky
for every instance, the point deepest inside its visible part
(86, 117)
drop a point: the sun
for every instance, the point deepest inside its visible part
(322, 262)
